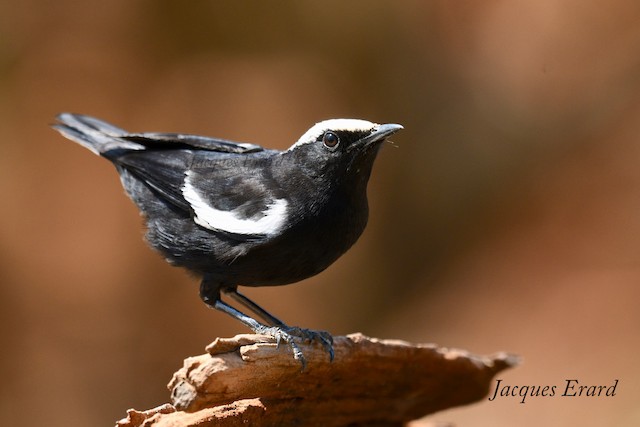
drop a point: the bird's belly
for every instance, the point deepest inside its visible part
(298, 254)
(293, 256)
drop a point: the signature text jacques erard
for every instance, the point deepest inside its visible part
(569, 388)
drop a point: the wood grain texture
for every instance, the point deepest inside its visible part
(248, 379)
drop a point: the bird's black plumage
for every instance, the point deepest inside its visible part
(240, 214)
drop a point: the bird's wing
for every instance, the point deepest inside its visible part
(167, 157)
(217, 181)
(162, 170)
(223, 192)
(242, 201)
(172, 140)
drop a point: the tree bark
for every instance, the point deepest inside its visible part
(248, 380)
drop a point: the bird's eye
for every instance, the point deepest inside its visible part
(330, 140)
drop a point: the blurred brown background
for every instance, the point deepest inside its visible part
(508, 218)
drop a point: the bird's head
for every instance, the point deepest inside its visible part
(341, 147)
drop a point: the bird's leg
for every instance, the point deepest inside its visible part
(210, 294)
(323, 337)
(274, 331)
(242, 299)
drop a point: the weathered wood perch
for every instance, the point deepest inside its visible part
(246, 380)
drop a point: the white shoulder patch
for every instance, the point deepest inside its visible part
(214, 219)
(354, 125)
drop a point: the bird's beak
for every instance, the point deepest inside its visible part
(379, 134)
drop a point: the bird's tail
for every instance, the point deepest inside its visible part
(100, 137)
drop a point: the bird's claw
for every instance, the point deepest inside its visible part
(291, 334)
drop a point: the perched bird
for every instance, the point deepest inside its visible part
(240, 214)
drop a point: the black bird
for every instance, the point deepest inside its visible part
(240, 214)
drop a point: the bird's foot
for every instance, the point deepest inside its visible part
(291, 334)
